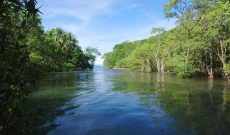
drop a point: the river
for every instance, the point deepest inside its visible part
(121, 102)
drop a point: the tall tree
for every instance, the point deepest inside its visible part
(16, 21)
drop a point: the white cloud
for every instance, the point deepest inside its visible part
(84, 10)
(105, 41)
(84, 15)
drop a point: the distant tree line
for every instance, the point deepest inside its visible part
(27, 52)
(197, 46)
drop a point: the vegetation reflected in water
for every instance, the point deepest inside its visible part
(111, 102)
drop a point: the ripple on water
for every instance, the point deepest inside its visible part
(108, 102)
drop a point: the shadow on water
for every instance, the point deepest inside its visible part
(49, 100)
(203, 108)
(114, 102)
(190, 106)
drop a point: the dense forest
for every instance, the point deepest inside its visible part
(197, 46)
(27, 52)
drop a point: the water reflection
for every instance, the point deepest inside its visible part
(113, 102)
(201, 110)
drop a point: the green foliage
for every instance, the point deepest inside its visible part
(199, 44)
(90, 54)
(120, 51)
(27, 52)
(228, 68)
(176, 64)
(16, 18)
(110, 59)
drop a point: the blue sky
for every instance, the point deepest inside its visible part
(104, 23)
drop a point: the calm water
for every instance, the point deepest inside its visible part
(114, 102)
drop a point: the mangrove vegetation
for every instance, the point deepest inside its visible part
(197, 46)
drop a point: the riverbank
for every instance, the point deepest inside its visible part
(117, 68)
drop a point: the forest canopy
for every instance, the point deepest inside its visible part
(27, 52)
(198, 45)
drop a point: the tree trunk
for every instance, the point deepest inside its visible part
(142, 67)
(158, 65)
(162, 67)
(210, 73)
(210, 69)
(149, 69)
(222, 56)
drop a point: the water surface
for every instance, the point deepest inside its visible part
(114, 102)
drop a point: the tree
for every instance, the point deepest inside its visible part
(27, 52)
(219, 16)
(16, 21)
(198, 45)
(159, 42)
(91, 54)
